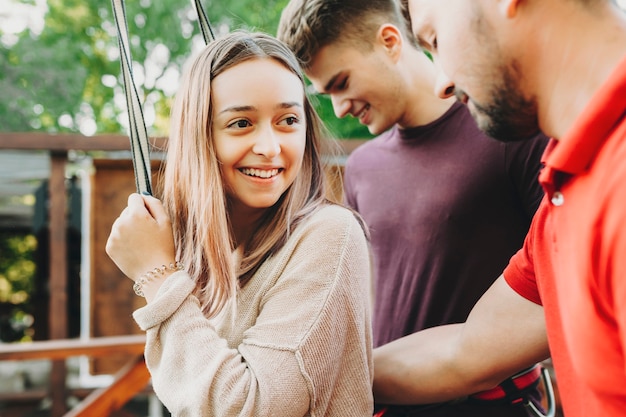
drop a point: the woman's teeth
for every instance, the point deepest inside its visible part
(261, 173)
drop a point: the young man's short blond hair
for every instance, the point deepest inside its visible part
(308, 25)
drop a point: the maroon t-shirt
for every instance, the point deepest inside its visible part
(447, 207)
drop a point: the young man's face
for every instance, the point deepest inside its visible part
(479, 68)
(361, 82)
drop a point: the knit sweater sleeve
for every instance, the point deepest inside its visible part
(307, 352)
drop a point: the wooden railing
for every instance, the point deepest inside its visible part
(127, 382)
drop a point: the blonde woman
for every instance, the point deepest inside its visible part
(257, 287)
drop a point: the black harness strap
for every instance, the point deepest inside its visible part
(139, 144)
(205, 25)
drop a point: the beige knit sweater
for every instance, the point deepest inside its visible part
(298, 345)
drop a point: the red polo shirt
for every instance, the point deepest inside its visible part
(574, 258)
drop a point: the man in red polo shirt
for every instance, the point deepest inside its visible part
(520, 66)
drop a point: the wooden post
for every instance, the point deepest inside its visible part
(58, 275)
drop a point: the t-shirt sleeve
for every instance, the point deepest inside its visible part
(520, 272)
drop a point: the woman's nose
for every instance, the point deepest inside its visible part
(267, 143)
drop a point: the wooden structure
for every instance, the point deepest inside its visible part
(111, 301)
(128, 381)
(111, 295)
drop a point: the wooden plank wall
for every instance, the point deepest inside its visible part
(112, 297)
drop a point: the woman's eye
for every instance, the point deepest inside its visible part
(290, 121)
(241, 124)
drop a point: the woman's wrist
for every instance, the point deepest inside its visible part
(159, 272)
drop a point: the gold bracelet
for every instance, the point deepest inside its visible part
(172, 267)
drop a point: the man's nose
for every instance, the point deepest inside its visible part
(341, 105)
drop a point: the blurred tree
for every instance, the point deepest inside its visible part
(66, 78)
(17, 268)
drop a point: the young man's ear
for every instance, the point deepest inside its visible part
(390, 38)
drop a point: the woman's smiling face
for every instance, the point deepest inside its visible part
(259, 129)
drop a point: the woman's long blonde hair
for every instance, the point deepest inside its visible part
(193, 190)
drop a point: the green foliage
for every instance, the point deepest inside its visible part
(17, 274)
(249, 14)
(67, 78)
(17, 267)
(348, 127)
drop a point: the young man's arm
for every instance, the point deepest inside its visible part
(503, 334)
